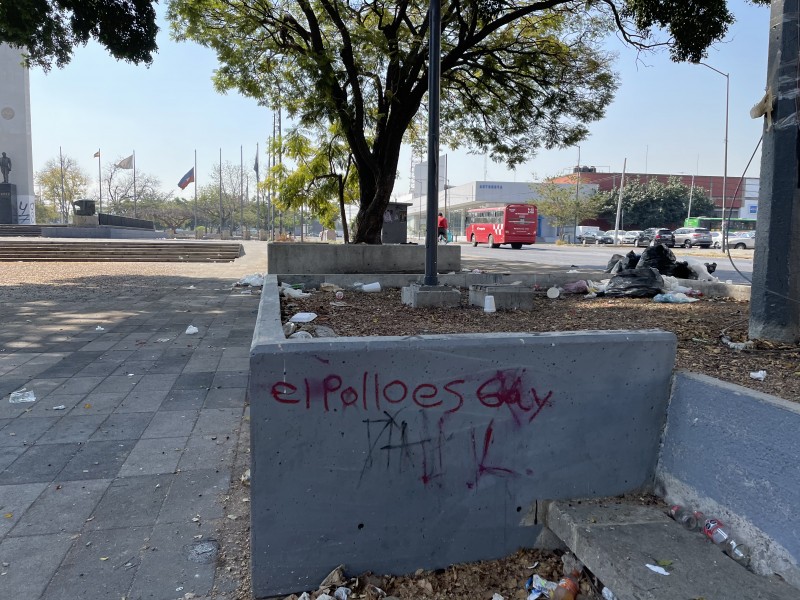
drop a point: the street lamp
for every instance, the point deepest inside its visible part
(725, 171)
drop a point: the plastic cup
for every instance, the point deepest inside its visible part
(488, 304)
(553, 292)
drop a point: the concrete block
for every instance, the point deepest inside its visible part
(391, 454)
(506, 297)
(616, 540)
(304, 258)
(732, 452)
(430, 296)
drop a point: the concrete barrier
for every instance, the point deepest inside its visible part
(732, 452)
(302, 258)
(391, 454)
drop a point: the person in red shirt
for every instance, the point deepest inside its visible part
(441, 225)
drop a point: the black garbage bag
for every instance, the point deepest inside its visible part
(635, 283)
(682, 270)
(631, 260)
(617, 262)
(660, 258)
(613, 263)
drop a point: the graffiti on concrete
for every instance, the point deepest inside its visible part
(391, 445)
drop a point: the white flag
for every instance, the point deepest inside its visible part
(126, 163)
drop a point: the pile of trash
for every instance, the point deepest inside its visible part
(300, 325)
(653, 274)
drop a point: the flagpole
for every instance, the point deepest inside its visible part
(221, 223)
(61, 161)
(134, 184)
(241, 188)
(258, 199)
(99, 181)
(195, 192)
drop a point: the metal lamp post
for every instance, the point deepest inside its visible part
(725, 168)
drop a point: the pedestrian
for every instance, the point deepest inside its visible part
(441, 225)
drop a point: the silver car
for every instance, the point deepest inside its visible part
(630, 236)
(693, 236)
(742, 239)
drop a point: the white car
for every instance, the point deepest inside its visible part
(742, 239)
(630, 236)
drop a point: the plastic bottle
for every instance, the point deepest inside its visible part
(720, 534)
(691, 520)
(568, 587)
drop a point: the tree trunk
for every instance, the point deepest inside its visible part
(342, 212)
(374, 200)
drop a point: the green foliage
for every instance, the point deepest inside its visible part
(563, 207)
(515, 76)
(48, 30)
(324, 179)
(654, 204)
(61, 182)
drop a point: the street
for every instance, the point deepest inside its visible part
(596, 257)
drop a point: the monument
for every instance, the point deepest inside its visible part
(16, 188)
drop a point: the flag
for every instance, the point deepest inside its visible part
(126, 163)
(96, 154)
(186, 179)
(255, 165)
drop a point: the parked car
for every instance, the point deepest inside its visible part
(655, 235)
(609, 235)
(716, 239)
(588, 236)
(630, 236)
(604, 238)
(742, 239)
(693, 236)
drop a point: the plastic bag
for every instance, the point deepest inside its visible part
(618, 262)
(576, 287)
(673, 298)
(635, 283)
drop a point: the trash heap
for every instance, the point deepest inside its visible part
(653, 274)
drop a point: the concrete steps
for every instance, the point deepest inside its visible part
(57, 250)
(20, 230)
(616, 539)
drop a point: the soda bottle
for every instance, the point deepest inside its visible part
(719, 533)
(568, 587)
(684, 516)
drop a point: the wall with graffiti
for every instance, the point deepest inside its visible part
(391, 454)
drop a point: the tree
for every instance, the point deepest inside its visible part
(324, 178)
(62, 182)
(118, 188)
(654, 204)
(173, 213)
(48, 30)
(563, 207)
(363, 65)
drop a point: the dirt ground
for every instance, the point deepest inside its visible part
(699, 328)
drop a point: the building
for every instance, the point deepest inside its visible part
(740, 193)
(455, 201)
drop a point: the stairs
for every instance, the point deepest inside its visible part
(20, 230)
(59, 250)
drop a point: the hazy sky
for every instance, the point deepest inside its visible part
(666, 118)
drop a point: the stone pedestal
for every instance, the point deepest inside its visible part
(8, 204)
(85, 220)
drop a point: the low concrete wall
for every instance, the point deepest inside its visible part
(290, 257)
(391, 454)
(733, 452)
(101, 232)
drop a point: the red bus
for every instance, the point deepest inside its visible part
(513, 224)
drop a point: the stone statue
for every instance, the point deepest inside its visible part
(5, 167)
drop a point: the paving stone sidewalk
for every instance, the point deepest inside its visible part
(110, 482)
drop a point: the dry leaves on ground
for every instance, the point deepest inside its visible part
(698, 327)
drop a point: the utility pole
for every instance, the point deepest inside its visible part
(775, 291)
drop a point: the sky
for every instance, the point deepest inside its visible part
(666, 117)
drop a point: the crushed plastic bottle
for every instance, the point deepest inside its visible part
(21, 396)
(721, 535)
(568, 587)
(685, 517)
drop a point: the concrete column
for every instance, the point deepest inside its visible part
(15, 129)
(774, 308)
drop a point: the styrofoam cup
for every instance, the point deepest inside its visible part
(553, 292)
(488, 304)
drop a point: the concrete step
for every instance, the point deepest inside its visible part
(120, 251)
(616, 539)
